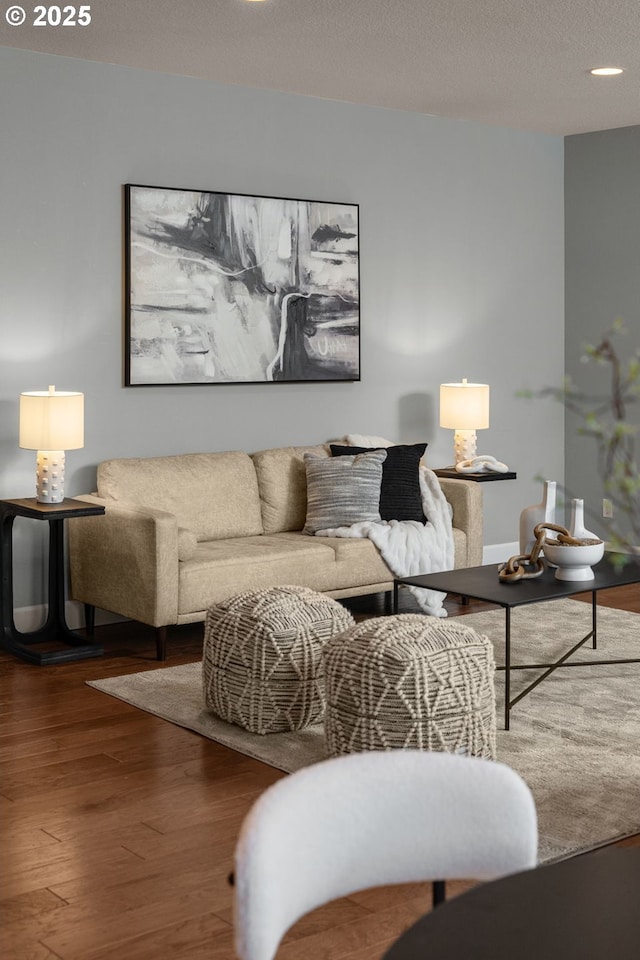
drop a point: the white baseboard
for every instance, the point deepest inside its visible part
(499, 552)
(27, 619)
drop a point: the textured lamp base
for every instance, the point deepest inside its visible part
(50, 476)
(464, 445)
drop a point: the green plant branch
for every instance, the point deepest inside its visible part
(605, 420)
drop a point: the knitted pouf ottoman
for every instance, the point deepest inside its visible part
(262, 658)
(410, 681)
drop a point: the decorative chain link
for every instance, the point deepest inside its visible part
(516, 567)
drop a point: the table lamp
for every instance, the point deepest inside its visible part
(51, 422)
(464, 407)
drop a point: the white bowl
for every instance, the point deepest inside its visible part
(574, 562)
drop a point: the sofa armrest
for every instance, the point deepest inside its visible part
(465, 497)
(126, 561)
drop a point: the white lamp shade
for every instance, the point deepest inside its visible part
(51, 420)
(464, 406)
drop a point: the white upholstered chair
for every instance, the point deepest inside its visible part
(370, 819)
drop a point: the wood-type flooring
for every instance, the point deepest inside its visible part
(118, 828)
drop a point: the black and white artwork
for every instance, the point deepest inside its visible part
(229, 288)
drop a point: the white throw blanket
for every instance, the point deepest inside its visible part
(407, 547)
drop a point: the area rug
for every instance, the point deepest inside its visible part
(575, 739)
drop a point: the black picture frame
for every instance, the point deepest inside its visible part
(235, 288)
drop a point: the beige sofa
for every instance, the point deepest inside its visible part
(183, 532)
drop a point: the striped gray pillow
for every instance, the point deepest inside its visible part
(342, 490)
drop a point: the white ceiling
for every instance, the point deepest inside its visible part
(512, 63)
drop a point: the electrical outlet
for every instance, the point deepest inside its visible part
(607, 508)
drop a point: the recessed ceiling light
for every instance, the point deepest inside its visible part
(605, 71)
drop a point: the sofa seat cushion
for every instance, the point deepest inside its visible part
(221, 568)
(282, 483)
(215, 495)
(459, 547)
(187, 543)
(356, 562)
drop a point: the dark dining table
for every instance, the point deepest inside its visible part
(584, 908)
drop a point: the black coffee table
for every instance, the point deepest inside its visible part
(585, 908)
(482, 583)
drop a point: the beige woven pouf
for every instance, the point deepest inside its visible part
(262, 658)
(410, 681)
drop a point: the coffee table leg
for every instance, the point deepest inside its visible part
(507, 665)
(395, 596)
(594, 618)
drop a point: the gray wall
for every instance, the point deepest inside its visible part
(602, 202)
(461, 269)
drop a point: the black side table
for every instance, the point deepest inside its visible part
(452, 474)
(55, 628)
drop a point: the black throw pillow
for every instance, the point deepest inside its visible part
(400, 497)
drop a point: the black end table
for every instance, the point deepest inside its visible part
(452, 474)
(55, 628)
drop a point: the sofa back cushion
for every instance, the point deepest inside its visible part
(282, 483)
(215, 495)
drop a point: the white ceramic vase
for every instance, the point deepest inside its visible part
(576, 526)
(543, 512)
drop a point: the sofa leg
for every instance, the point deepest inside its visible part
(388, 602)
(161, 643)
(89, 619)
(439, 894)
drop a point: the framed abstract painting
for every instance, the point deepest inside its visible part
(233, 288)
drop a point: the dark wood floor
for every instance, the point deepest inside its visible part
(118, 828)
